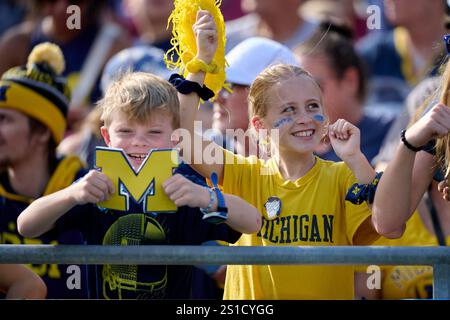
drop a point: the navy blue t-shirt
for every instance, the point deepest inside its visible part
(111, 227)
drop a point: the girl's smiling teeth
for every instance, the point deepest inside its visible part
(303, 133)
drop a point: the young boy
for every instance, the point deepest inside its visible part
(140, 112)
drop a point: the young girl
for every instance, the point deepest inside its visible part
(302, 200)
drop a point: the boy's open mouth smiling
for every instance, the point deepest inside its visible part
(137, 156)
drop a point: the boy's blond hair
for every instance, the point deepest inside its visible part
(138, 96)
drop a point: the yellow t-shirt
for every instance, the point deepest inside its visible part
(409, 282)
(313, 213)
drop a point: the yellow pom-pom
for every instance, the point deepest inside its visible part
(183, 41)
(49, 53)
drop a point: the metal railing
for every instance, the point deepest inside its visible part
(437, 257)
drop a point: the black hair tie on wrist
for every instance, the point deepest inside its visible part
(407, 144)
(184, 86)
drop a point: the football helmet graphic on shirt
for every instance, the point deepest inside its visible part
(134, 281)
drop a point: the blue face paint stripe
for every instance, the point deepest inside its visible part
(318, 117)
(282, 122)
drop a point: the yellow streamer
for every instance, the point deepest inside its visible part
(184, 45)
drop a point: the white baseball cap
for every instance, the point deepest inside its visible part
(253, 55)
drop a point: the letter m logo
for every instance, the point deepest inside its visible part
(145, 185)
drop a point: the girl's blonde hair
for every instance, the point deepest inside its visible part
(138, 96)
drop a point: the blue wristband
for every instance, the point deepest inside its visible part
(210, 204)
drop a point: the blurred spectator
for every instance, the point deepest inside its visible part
(330, 57)
(34, 101)
(277, 20)
(398, 59)
(384, 23)
(12, 12)
(85, 49)
(149, 17)
(350, 13)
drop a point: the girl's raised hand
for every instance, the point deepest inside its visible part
(205, 31)
(434, 124)
(345, 139)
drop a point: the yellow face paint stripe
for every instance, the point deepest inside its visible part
(23, 99)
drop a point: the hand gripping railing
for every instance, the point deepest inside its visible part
(437, 257)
